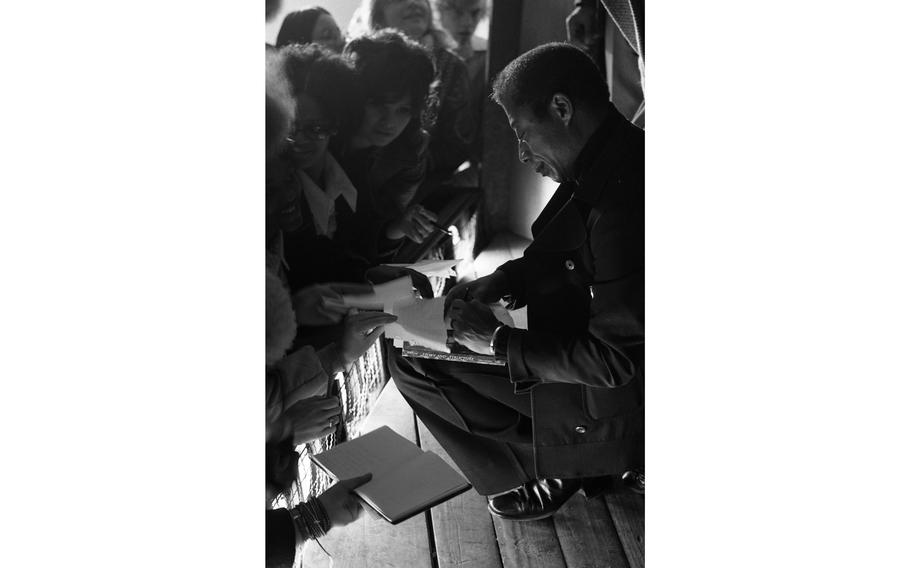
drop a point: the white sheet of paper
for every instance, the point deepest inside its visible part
(419, 323)
(520, 318)
(440, 268)
(384, 295)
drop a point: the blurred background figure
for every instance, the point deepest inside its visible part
(271, 8)
(448, 118)
(460, 19)
(623, 35)
(311, 25)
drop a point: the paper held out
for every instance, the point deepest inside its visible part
(421, 322)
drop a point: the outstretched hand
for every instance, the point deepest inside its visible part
(322, 304)
(361, 330)
(340, 503)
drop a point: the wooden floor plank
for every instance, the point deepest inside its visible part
(530, 544)
(462, 527)
(587, 535)
(373, 542)
(628, 513)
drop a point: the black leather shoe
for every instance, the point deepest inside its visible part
(537, 499)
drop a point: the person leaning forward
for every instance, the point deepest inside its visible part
(569, 408)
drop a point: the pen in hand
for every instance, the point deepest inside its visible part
(441, 230)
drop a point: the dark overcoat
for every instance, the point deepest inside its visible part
(582, 279)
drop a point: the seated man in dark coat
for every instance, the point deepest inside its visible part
(569, 407)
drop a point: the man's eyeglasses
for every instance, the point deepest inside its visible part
(312, 131)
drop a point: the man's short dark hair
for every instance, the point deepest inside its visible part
(534, 77)
(329, 79)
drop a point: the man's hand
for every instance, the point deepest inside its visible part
(313, 418)
(321, 304)
(474, 324)
(488, 289)
(417, 223)
(580, 26)
(380, 274)
(340, 503)
(360, 332)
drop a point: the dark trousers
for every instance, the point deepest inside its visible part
(474, 413)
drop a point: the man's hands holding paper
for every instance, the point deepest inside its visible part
(474, 324)
(487, 290)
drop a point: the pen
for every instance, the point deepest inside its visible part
(440, 229)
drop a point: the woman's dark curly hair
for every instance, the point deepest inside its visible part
(329, 79)
(389, 65)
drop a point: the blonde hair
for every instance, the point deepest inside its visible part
(368, 18)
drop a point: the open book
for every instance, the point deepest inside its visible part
(406, 480)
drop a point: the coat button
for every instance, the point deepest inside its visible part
(581, 429)
(570, 265)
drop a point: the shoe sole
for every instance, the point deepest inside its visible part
(523, 518)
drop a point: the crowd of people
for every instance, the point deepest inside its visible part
(359, 130)
(360, 127)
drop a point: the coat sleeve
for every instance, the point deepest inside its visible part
(516, 274)
(607, 355)
(280, 539)
(610, 352)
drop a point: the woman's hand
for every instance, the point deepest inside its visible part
(322, 304)
(340, 503)
(417, 223)
(361, 330)
(313, 418)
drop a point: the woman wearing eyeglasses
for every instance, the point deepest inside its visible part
(331, 229)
